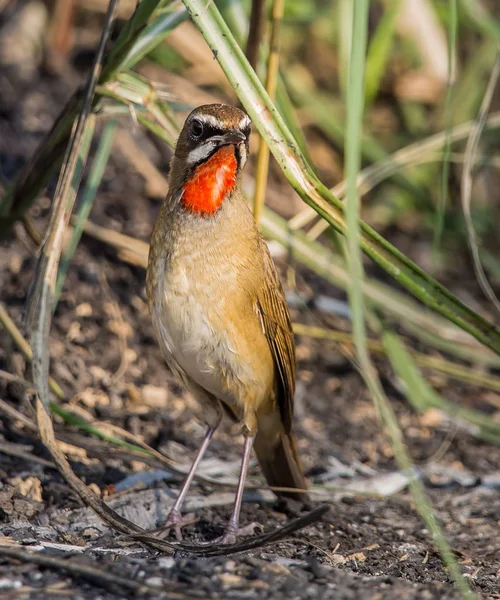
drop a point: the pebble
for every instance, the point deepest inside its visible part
(229, 580)
(166, 562)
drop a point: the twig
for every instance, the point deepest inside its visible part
(10, 327)
(256, 31)
(15, 450)
(466, 191)
(11, 412)
(96, 576)
(251, 543)
(262, 167)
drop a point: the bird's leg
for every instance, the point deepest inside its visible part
(232, 528)
(175, 518)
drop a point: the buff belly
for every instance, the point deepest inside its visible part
(204, 346)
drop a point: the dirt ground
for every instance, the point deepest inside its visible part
(370, 545)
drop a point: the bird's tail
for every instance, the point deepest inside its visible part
(279, 460)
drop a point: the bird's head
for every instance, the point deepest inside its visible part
(211, 150)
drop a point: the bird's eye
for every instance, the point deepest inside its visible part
(196, 128)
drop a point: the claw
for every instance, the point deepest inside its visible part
(176, 522)
(232, 533)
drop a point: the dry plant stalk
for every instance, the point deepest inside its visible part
(262, 167)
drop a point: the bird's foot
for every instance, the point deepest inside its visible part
(233, 532)
(176, 522)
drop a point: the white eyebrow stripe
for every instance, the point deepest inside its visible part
(245, 122)
(200, 152)
(210, 120)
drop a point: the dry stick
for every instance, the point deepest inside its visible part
(96, 576)
(15, 450)
(10, 327)
(373, 175)
(13, 413)
(256, 31)
(262, 167)
(466, 191)
(311, 517)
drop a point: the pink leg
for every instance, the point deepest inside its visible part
(175, 517)
(232, 528)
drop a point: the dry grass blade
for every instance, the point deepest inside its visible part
(262, 167)
(10, 327)
(41, 300)
(466, 191)
(446, 367)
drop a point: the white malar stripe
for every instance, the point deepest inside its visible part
(243, 155)
(200, 153)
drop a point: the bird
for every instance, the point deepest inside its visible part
(218, 308)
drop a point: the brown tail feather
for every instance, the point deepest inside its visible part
(279, 460)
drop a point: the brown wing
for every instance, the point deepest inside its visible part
(278, 330)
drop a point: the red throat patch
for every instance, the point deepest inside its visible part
(211, 182)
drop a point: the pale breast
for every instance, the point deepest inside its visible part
(206, 321)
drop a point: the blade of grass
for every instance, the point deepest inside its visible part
(466, 191)
(422, 396)
(452, 370)
(143, 32)
(94, 181)
(344, 41)
(380, 48)
(236, 19)
(356, 299)
(270, 124)
(40, 168)
(154, 34)
(415, 153)
(41, 295)
(40, 302)
(480, 18)
(452, 67)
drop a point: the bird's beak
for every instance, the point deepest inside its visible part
(231, 137)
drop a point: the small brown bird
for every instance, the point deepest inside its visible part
(218, 308)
